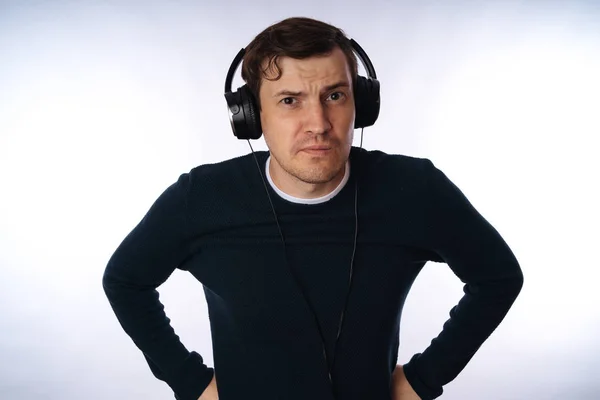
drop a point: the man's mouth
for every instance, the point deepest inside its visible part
(317, 150)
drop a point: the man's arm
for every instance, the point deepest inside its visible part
(482, 260)
(141, 263)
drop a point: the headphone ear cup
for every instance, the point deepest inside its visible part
(366, 101)
(252, 128)
(243, 115)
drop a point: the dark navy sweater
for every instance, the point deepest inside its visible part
(216, 222)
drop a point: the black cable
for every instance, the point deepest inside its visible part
(287, 259)
(330, 367)
(353, 252)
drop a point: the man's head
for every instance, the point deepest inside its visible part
(302, 73)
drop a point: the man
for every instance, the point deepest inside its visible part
(302, 303)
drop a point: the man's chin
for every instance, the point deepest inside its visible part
(315, 175)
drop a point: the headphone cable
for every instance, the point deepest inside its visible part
(329, 367)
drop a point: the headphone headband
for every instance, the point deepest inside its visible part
(232, 68)
(362, 56)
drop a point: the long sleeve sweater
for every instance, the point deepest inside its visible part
(216, 222)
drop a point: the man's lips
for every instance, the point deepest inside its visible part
(317, 148)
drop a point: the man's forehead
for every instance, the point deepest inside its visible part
(322, 70)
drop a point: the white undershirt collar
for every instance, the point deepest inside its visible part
(300, 200)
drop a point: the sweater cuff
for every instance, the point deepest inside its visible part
(192, 378)
(424, 391)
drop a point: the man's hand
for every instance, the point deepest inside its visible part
(401, 389)
(210, 393)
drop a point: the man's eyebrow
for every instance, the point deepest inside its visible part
(327, 88)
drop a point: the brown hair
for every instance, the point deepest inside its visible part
(296, 37)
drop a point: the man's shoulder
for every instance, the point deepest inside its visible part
(226, 181)
(232, 168)
(383, 163)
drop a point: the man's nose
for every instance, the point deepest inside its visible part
(317, 119)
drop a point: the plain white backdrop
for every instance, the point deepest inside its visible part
(103, 104)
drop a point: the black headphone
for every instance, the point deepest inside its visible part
(244, 114)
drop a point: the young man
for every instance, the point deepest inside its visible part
(305, 273)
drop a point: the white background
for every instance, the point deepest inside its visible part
(103, 104)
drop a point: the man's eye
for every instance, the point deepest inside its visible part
(288, 100)
(336, 95)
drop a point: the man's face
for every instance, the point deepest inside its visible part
(307, 118)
